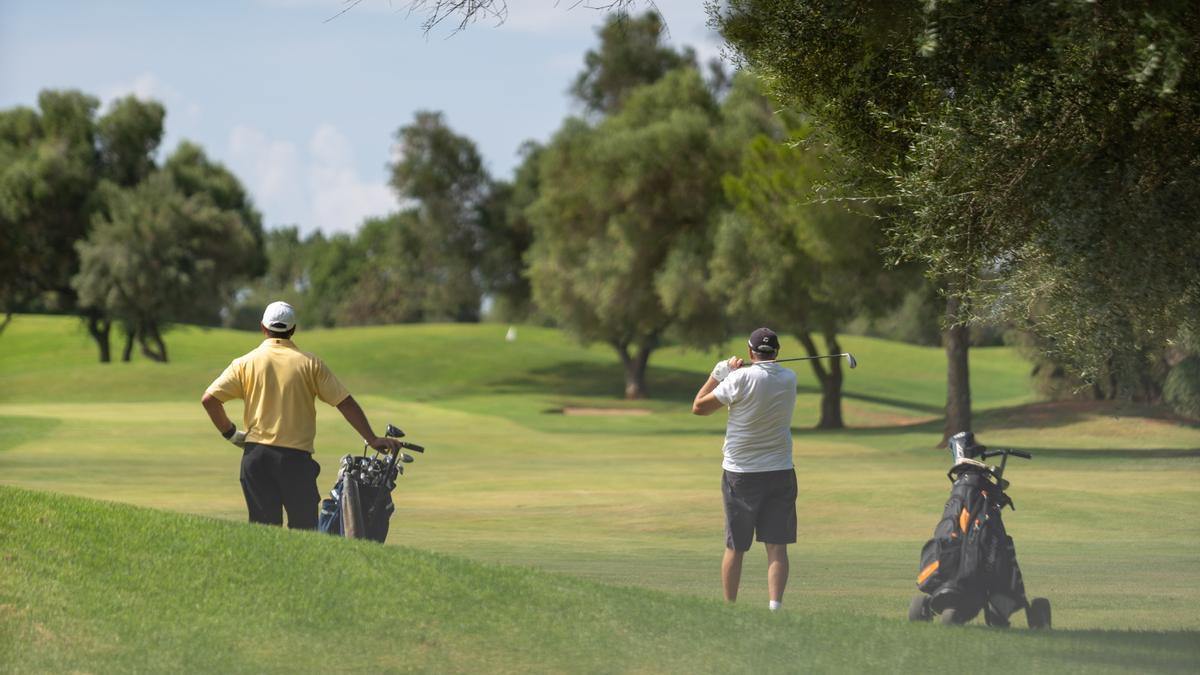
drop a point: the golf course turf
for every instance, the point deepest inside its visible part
(528, 540)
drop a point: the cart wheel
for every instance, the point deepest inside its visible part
(918, 609)
(949, 617)
(1038, 613)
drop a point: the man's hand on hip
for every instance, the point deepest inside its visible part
(235, 436)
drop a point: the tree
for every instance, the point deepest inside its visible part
(47, 180)
(333, 265)
(193, 173)
(159, 255)
(809, 266)
(510, 234)
(631, 54)
(1042, 155)
(286, 278)
(443, 173)
(616, 200)
(127, 137)
(20, 130)
(392, 285)
(61, 165)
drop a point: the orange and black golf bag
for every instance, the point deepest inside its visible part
(970, 564)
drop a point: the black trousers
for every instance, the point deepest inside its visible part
(275, 479)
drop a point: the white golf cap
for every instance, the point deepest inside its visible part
(279, 317)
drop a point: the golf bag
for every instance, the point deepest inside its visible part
(360, 504)
(970, 564)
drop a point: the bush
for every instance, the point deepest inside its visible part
(1182, 388)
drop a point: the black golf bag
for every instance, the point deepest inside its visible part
(970, 564)
(360, 504)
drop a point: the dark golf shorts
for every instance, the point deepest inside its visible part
(762, 503)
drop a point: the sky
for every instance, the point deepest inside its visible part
(302, 103)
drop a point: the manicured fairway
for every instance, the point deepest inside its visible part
(1103, 524)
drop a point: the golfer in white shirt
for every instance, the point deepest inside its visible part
(759, 481)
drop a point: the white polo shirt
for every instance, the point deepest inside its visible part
(758, 436)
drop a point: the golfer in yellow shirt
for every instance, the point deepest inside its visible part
(279, 384)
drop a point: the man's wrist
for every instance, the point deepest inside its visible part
(228, 434)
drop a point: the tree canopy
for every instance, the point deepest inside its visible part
(158, 255)
(807, 266)
(631, 54)
(1043, 156)
(616, 200)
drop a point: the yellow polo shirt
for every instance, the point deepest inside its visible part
(279, 384)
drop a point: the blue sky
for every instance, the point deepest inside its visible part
(302, 108)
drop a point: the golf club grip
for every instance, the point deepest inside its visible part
(1020, 453)
(411, 446)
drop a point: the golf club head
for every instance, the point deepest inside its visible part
(411, 446)
(850, 358)
(393, 432)
(406, 458)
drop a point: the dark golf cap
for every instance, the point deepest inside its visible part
(764, 341)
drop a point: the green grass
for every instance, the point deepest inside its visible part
(101, 587)
(623, 505)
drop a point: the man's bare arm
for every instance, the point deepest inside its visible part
(354, 414)
(706, 403)
(216, 412)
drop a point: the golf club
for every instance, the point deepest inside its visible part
(848, 355)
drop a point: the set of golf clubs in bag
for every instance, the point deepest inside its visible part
(970, 564)
(360, 504)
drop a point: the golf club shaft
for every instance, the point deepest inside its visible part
(849, 357)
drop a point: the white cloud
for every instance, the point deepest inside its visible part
(317, 187)
(145, 87)
(271, 166)
(340, 200)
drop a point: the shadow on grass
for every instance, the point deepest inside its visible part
(1059, 413)
(1165, 651)
(1040, 415)
(584, 379)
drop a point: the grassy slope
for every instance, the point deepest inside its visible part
(633, 500)
(100, 588)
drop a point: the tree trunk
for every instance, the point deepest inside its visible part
(831, 380)
(956, 339)
(635, 368)
(130, 336)
(99, 327)
(148, 332)
(8, 315)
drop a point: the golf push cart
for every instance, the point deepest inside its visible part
(970, 564)
(360, 503)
